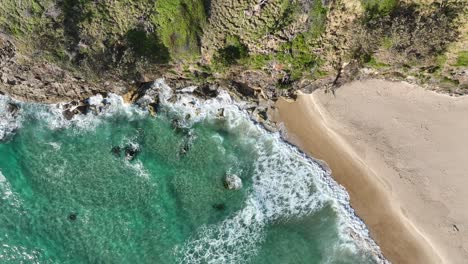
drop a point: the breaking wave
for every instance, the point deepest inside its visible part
(286, 183)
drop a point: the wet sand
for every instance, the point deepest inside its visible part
(402, 154)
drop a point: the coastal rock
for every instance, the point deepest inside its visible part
(219, 207)
(7, 50)
(68, 114)
(76, 108)
(220, 113)
(153, 109)
(243, 89)
(13, 109)
(185, 148)
(188, 142)
(116, 150)
(72, 217)
(207, 91)
(27, 79)
(232, 182)
(131, 151)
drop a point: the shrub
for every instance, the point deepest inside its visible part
(462, 60)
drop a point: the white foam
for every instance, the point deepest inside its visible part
(5, 189)
(17, 254)
(101, 108)
(231, 241)
(6, 193)
(55, 145)
(9, 122)
(138, 168)
(286, 184)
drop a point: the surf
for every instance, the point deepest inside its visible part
(169, 201)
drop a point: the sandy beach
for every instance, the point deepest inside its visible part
(402, 154)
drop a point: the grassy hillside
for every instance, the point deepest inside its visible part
(288, 39)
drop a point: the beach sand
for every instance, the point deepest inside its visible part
(402, 154)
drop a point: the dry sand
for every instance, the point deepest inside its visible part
(402, 154)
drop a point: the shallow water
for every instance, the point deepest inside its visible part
(66, 197)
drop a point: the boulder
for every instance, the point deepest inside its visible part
(116, 150)
(72, 216)
(207, 91)
(232, 182)
(68, 114)
(13, 108)
(219, 207)
(131, 151)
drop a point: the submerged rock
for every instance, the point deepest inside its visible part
(131, 151)
(116, 150)
(13, 108)
(185, 148)
(72, 217)
(69, 114)
(219, 207)
(232, 182)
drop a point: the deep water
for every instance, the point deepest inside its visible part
(70, 194)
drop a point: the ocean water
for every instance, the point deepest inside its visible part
(67, 195)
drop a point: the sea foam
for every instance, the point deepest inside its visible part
(286, 184)
(9, 122)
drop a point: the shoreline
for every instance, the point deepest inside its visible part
(374, 194)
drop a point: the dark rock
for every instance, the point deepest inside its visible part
(12, 81)
(219, 207)
(220, 113)
(178, 127)
(153, 108)
(131, 151)
(116, 150)
(72, 216)
(7, 50)
(207, 90)
(185, 148)
(263, 114)
(13, 108)
(83, 109)
(243, 88)
(68, 114)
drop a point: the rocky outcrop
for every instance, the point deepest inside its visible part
(232, 182)
(25, 79)
(278, 47)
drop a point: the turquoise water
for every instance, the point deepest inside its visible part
(67, 197)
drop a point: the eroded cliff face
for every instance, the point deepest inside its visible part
(288, 44)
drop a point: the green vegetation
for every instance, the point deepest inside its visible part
(20, 18)
(378, 8)
(233, 51)
(280, 37)
(462, 59)
(179, 25)
(374, 63)
(295, 58)
(106, 36)
(317, 15)
(410, 35)
(147, 45)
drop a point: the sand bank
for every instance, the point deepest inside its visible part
(402, 154)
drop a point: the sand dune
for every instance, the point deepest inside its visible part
(402, 154)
